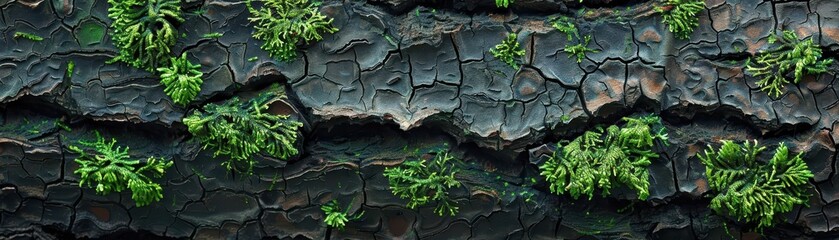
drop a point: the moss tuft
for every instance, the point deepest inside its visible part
(753, 191)
(603, 157)
(144, 31)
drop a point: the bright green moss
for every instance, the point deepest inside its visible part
(423, 182)
(580, 49)
(680, 16)
(144, 31)
(110, 169)
(71, 66)
(604, 157)
(181, 79)
(30, 36)
(754, 191)
(282, 24)
(792, 55)
(240, 130)
(503, 3)
(566, 25)
(508, 51)
(335, 217)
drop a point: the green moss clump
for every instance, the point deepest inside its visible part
(71, 66)
(111, 170)
(423, 182)
(508, 51)
(29, 36)
(680, 16)
(603, 157)
(335, 217)
(793, 55)
(181, 79)
(144, 30)
(503, 3)
(240, 130)
(753, 191)
(580, 49)
(566, 25)
(284, 23)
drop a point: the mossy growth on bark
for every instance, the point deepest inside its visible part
(282, 24)
(239, 130)
(144, 31)
(503, 3)
(509, 51)
(181, 79)
(337, 218)
(580, 49)
(29, 36)
(680, 16)
(753, 191)
(426, 181)
(606, 157)
(792, 55)
(566, 25)
(111, 169)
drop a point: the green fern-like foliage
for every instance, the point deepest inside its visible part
(335, 217)
(240, 130)
(798, 56)
(753, 191)
(423, 182)
(111, 169)
(181, 79)
(284, 23)
(603, 157)
(503, 3)
(580, 49)
(680, 16)
(144, 30)
(508, 51)
(566, 25)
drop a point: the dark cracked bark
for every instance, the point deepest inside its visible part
(400, 76)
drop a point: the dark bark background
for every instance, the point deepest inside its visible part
(402, 78)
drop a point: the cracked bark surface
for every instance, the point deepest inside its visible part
(400, 77)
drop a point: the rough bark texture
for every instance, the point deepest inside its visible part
(396, 78)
